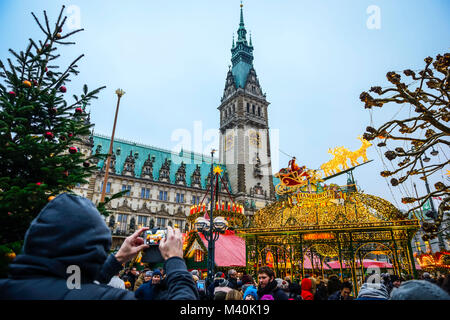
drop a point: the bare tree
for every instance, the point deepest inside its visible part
(425, 129)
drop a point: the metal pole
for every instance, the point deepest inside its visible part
(411, 258)
(210, 240)
(119, 93)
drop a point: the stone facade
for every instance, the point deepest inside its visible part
(152, 201)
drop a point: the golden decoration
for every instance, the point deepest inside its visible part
(218, 170)
(341, 156)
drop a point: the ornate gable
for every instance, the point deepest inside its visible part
(145, 208)
(128, 167)
(163, 210)
(125, 206)
(112, 163)
(180, 176)
(147, 168)
(230, 86)
(196, 178)
(252, 83)
(180, 212)
(164, 172)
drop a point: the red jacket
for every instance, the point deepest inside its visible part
(306, 289)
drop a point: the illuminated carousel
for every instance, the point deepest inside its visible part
(318, 228)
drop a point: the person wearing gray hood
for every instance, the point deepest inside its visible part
(65, 256)
(373, 291)
(419, 290)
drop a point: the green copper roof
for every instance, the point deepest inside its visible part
(241, 55)
(191, 159)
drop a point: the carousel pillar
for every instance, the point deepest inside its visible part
(302, 258)
(352, 267)
(340, 255)
(411, 258)
(397, 264)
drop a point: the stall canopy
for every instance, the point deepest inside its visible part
(230, 250)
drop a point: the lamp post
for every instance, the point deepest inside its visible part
(211, 228)
(119, 93)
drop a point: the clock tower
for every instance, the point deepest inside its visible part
(244, 128)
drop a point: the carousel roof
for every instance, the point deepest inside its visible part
(230, 250)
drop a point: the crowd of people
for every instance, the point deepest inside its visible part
(150, 285)
(66, 256)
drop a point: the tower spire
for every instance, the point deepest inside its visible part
(241, 55)
(241, 31)
(242, 16)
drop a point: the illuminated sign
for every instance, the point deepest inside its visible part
(318, 236)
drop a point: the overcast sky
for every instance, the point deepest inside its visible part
(313, 59)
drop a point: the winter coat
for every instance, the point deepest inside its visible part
(211, 288)
(69, 231)
(373, 291)
(232, 283)
(149, 291)
(295, 291)
(321, 292)
(306, 289)
(337, 296)
(272, 290)
(139, 282)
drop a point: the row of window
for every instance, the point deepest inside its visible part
(144, 221)
(145, 194)
(256, 110)
(253, 109)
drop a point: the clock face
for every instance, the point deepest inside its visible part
(255, 139)
(229, 141)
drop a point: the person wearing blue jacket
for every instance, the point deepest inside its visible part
(65, 256)
(155, 289)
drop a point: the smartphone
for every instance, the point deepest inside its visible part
(152, 253)
(201, 285)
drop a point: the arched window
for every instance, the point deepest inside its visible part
(253, 108)
(248, 107)
(259, 111)
(234, 110)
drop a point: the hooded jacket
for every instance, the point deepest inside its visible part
(273, 290)
(69, 233)
(419, 290)
(373, 291)
(306, 289)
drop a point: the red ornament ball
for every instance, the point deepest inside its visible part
(62, 89)
(73, 150)
(86, 164)
(46, 69)
(38, 183)
(79, 110)
(12, 93)
(70, 135)
(49, 135)
(35, 83)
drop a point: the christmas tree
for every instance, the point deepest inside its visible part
(40, 130)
